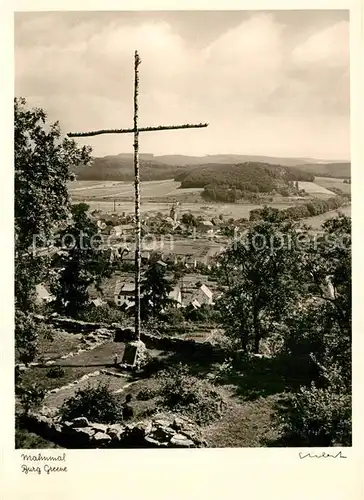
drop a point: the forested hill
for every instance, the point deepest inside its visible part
(248, 176)
(340, 170)
(121, 168)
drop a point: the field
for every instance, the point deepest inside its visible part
(96, 190)
(315, 189)
(316, 221)
(332, 182)
(108, 196)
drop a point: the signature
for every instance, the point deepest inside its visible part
(322, 455)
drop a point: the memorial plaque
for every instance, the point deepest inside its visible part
(130, 354)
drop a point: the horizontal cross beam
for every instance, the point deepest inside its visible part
(130, 130)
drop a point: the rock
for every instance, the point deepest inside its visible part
(101, 439)
(161, 434)
(116, 432)
(181, 441)
(80, 422)
(153, 442)
(86, 433)
(51, 362)
(99, 427)
(162, 422)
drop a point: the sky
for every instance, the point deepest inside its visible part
(267, 82)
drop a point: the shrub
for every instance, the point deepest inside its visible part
(317, 417)
(190, 395)
(98, 404)
(31, 397)
(146, 394)
(55, 372)
(102, 314)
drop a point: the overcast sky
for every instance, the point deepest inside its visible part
(268, 83)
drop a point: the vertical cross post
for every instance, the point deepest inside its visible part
(135, 130)
(137, 198)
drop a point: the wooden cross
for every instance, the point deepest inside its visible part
(136, 131)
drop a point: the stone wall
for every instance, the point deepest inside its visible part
(119, 334)
(161, 431)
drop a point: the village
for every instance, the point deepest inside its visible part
(176, 243)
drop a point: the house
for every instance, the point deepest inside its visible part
(124, 294)
(42, 294)
(203, 295)
(176, 296)
(205, 226)
(97, 302)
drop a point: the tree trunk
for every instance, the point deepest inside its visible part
(257, 333)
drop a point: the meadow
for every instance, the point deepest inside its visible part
(110, 196)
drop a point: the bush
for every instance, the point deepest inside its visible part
(98, 404)
(192, 396)
(146, 394)
(317, 417)
(55, 372)
(31, 397)
(102, 314)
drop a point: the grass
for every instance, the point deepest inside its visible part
(329, 183)
(61, 343)
(244, 425)
(76, 366)
(252, 391)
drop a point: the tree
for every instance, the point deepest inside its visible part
(189, 219)
(321, 333)
(82, 262)
(43, 160)
(155, 290)
(259, 278)
(318, 343)
(26, 336)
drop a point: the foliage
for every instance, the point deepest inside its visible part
(189, 219)
(97, 404)
(319, 327)
(31, 397)
(317, 417)
(55, 372)
(103, 314)
(192, 396)
(42, 169)
(27, 331)
(205, 313)
(314, 207)
(248, 176)
(155, 289)
(82, 262)
(259, 277)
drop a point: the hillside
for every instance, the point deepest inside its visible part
(121, 168)
(248, 176)
(339, 170)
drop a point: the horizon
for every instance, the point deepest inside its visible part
(325, 160)
(255, 76)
